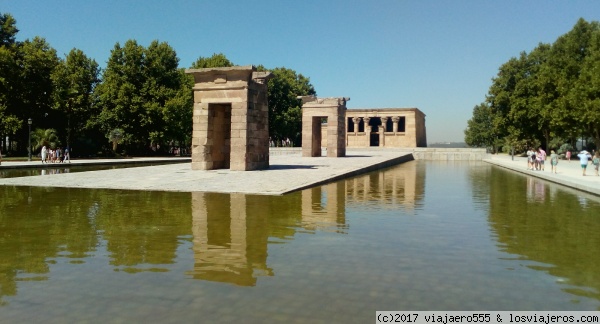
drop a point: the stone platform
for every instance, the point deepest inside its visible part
(287, 173)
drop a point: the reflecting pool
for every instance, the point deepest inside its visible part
(418, 236)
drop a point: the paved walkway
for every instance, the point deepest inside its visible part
(568, 172)
(90, 162)
(287, 173)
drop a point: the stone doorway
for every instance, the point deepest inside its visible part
(317, 135)
(220, 135)
(374, 128)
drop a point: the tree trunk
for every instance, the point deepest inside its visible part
(597, 138)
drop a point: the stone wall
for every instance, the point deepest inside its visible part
(419, 153)
(448, 154)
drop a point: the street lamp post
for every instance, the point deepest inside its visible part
(29, 121)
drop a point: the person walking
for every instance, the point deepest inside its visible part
(584, 156)
(568, 155)
(553, 161)
(541, 158)
(44, 153)
(67, 155)
(596, 162)
(530, 158)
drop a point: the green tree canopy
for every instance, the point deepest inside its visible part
(216, 60)
(25, 85)
(285, 109)
(138, 83)
(75, 79)
(552, 91)
(480, 130)
(8, 29)
(47, 137)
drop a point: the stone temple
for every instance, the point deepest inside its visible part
(231, 122)
(385, 127)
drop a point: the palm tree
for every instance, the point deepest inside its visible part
(115, 136)
(41, 137)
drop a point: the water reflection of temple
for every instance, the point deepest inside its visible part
(229, 243)
(324, 208)
(232, 231)
(403, 185)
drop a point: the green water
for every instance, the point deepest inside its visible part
(419, 236)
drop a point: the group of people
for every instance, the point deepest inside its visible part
(536, 159)
(280, 143)
(57, 155)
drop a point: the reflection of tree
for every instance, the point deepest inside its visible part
(554, 229)
(36, 225)
(142, 228)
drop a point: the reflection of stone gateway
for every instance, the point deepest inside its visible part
(230, 119)
(223, 250)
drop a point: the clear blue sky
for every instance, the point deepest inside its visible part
(438, 56)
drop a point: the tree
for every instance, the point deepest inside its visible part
(285, 109)
(564, 67)
(9, 122)
(216, 60)
(178, 112)
(585, 93)
(138, 83)
(74, 80)
(44, 137)
(115, 136)
(31, 93)
(8, 30)
(551, 91)
(480, 130)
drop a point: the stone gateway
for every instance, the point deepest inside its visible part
(323, 116)
(230, 119)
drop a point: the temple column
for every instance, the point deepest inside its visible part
(356, 121)
(395, 121)
(367, 131)
(382, 129)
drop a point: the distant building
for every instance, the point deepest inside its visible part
(384, 127)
